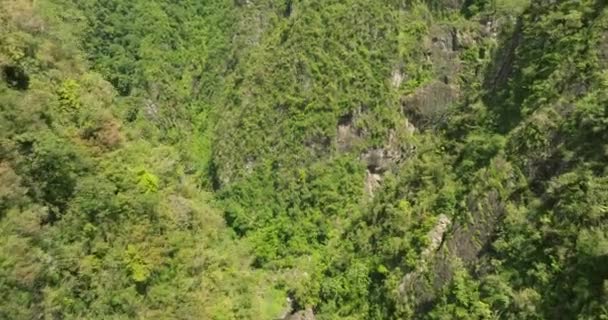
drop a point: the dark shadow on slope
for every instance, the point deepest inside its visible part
(15, 77)
(288, 8)
(498, 93)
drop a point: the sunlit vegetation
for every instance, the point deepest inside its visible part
(303, 159)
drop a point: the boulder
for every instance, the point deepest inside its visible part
(306, 314)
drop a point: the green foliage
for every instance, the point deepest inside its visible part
(147, 181)
(138, 267)
(367, 159)
(49, 168)
(83, 234)
(68, 96)
(462, 301)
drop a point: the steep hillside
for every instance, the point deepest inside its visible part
(100, 217)
(299, 159)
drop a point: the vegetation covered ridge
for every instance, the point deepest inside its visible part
(300, 159)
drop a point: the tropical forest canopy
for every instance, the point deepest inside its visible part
(303, 159)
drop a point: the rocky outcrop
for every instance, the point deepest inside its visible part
(287, 309)
(306, 314)
(429, 105)
(461, 244)
(382, 159)
(397, 77)
(435, 237)
(378, 160)
(372, 182)
(468, 240)
(442, 49)
(347, 136)
(415, 279)
(502, 68)
(290, 314)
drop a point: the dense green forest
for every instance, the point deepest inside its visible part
(304, 159)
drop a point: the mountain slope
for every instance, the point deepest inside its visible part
(356, 159)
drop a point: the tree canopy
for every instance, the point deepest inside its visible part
(300, 159)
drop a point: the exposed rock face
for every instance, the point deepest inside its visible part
(502, 69)
(151, 110)
(372, 182)
(443, 51)
(409, 127)
(347, 135)
(397, 77)
(382, 159)
(287, 310)
(468, 240)
(464, 246)
(377, 160)
(436, 235)
(429, 104)
(414, 280)
(444, 40)
(307, 314)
